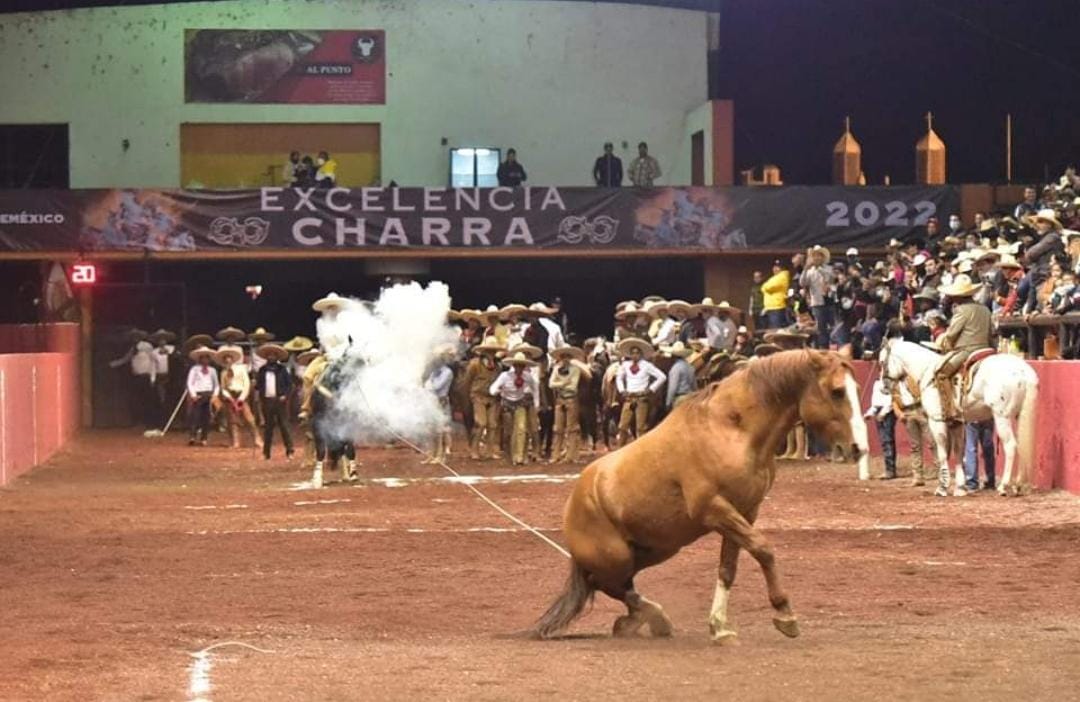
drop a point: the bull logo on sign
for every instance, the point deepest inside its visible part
(576, 229)
(366, 48)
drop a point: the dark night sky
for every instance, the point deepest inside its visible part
(796, 67)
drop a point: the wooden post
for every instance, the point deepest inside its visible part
(1008, 147)
(86, 354)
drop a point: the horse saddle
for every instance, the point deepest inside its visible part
(967, 371)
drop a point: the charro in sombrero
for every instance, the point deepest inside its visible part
(231, 335)
(652, 298)
(307, 357)
(655, 308)
(201, 351)
(299, 344)
(679, 308)
(529, 350)
(1009, 261)
(489, 345)
(641, 345)
(819, 250)
(197, 340)
(492, 313)
(961, 287)
(630, 310)
(541, 310)
(468, 314)
(725, 308)
(272, 352)
(519, 359)
(137, 335)
(162, 335)
(573, 352)
(514, 309)
(333, 301)
(260, 336)
(706, 305)
(229, 355)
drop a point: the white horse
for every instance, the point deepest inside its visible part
(1005, 388)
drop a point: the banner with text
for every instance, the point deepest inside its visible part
(713, 219)
(300, 67)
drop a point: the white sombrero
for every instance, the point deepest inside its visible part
(679, 307)
(641, 345)
(489, 345)
(201, 351)
(519, 359)
(229, 355)
(678, 349)
(333, 301)
(961, 287)
(528, 349)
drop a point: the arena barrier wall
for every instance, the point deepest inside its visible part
(39, 394)
(1058, 443)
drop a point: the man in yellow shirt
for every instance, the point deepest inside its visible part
(326, 176)
(774, 292)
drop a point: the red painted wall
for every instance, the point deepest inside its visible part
(39, 394)
(1058, 454)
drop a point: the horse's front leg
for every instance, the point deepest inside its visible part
(717, 514)
(719, 627)
(940, 431)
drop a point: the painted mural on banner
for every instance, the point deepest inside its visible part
(716, 219)
(304, 67)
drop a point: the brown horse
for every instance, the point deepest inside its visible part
(706, 468)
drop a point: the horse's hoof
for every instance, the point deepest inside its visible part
(787, 627)
(660, 627)
(960, 492)
(724, 637)
(1003, 491)
(625, 627)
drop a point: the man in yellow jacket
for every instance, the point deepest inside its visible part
(774, 292)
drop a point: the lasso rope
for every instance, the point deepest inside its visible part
(494, 505)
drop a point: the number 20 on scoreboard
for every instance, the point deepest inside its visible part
(83, 274)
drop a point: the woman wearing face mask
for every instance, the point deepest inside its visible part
(326, 176)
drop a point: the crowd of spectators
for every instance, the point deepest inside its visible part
(1024, 262)
(303, 171)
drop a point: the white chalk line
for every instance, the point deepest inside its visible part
(366, 530)
(467, 480)
(199, 685)
(206, 507)
(305, 503)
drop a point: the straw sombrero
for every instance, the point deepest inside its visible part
(678, 349)
(655, 308)
(706, 305)
(528, 349)
(641, 345)
(572, 351)
(197, 340)
(201, 351)
(519, 359)
(1046, 215)
(679, 307)
(1009, 261)
(298, 344)
(137, 335)
(987, 225)
(513, 309)
(489, 345)
(333, 301)
(467, 314)
(819, 249)
(492, 312)
(961, 287)
(162, 335)
(630, 310)
(652, 298)
(308, 356)
(965, 266)
(928, 293)
(229, 355)
(260, 336)
(230, 335)
(541, 310)
(980, 255)
(272, 352)
(724, 306)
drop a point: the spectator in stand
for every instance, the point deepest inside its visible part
(306, 173)
(644, 169)
(326, 176)
(511, 173)
(756, 308)
(774, 296)
(1028, 207)
(292, 171)
(607, 171)
(818, 282)
(1041, 255)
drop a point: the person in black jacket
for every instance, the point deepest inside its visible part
(274, 383)
(607, 171)
(511, 174)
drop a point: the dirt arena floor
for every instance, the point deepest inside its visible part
(125, 555)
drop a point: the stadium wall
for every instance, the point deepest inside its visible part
(39, 394)
(1058, 452)
(553, 79)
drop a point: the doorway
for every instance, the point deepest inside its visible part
(697, 158)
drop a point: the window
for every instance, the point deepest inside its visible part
(474, 167)
(33, 156)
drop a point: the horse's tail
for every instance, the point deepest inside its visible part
(1026, 424)
(568, 606)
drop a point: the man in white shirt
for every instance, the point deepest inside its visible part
(162, 355)
(202, 388)
(881, 411)
(636, 381)
(440, 379)
(554, 331)
(518, 389)
(720, 328)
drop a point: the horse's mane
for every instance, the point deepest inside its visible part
(772, 379)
